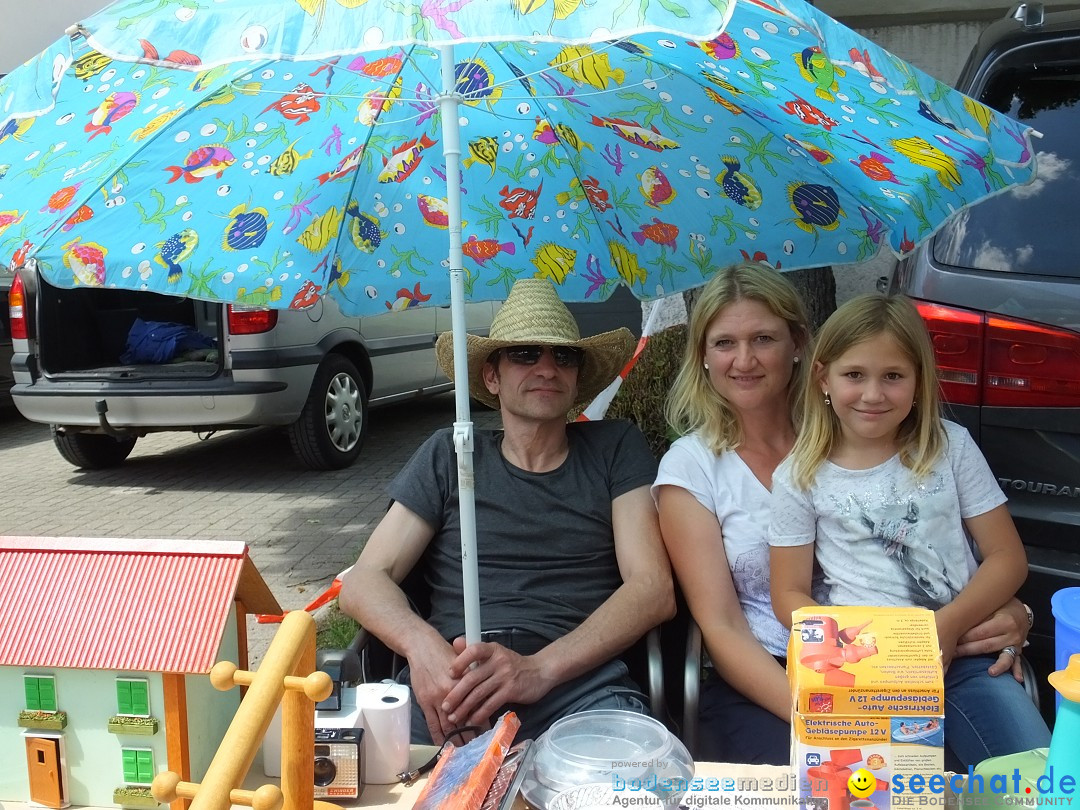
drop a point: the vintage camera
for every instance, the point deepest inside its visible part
(338, 769)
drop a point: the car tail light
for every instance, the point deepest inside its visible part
(251, 321)
(989, 360)
(957, 338)
(1030, 365)
(17, 309)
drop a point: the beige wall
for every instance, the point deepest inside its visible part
(31, 25)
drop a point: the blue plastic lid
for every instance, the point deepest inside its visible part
(1065, 605)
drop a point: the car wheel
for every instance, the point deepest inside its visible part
(91, 451)
(331, 428)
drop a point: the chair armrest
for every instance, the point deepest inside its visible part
(377, 661)
(691, 686)
(360, 640)
(1031, 683)
(657, 699)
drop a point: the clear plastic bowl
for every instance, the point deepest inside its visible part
(617, 748)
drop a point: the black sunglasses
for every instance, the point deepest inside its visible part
(564, 356)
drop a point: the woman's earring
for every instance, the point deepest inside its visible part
(706, 366)
(828, 401)
(796, 361)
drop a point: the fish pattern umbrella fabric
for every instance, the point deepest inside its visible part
(594, 154)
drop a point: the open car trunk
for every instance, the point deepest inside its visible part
(84, 334)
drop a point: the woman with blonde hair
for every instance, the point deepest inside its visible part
(736, 403)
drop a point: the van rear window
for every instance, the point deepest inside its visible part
(1030, 229)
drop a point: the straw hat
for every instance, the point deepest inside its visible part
(533, 314)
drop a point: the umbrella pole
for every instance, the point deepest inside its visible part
(463, 426)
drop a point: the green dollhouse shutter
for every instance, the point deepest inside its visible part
(47, 694)
(140, 698)
(33, 702)
(133, 698)
(144, 762)
(131, 767)
(123, 697)
(138, 766)
(40, 693)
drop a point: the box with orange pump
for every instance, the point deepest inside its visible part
(868, 701)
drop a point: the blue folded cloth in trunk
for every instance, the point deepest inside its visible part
(160, 342)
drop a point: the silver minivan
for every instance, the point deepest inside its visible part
(313, 371)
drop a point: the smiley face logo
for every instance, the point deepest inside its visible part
(862, 783)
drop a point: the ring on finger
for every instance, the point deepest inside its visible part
(1010, 649)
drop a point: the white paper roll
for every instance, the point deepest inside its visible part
(387, 714)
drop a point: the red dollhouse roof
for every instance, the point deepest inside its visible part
(132, 605)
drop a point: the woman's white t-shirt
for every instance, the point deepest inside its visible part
(725, 486)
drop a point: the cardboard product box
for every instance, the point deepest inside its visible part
(868, 698)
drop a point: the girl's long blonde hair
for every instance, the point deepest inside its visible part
(694, 403)
(920, 439)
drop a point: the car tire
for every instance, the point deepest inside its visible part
(332, 426)
(91, 451)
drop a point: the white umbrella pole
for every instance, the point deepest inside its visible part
(463, 426)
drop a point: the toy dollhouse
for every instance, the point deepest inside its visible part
(104, 650)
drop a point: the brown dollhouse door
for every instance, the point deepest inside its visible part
(43, 763)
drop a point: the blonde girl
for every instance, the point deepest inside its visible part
(883, 493)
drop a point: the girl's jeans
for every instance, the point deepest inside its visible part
(987, 716)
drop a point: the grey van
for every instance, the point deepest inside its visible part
(999, 289)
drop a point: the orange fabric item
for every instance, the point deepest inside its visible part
(326, 596)
(463, 776)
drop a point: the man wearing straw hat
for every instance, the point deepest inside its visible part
(572, 569)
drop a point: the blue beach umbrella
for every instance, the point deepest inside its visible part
(396, 154)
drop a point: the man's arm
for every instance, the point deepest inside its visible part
(370, 594)
(645, 598)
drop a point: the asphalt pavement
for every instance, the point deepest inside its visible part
(302, 527)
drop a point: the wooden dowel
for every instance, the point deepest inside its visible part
(168, 787)
(225, 675)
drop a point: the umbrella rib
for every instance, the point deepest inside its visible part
(543, 72)
(600, 224)
(733, 98)
(475, 95)
(364, 156)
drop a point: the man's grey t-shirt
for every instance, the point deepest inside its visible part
(545, 547)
